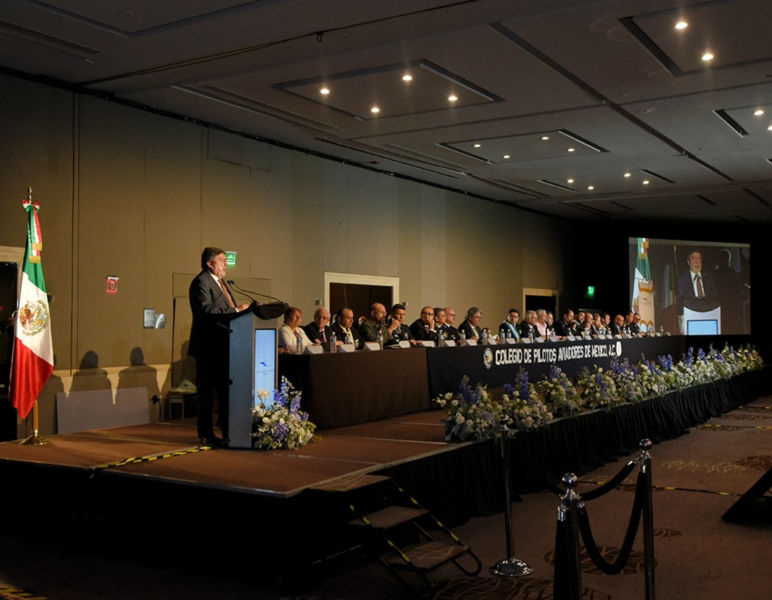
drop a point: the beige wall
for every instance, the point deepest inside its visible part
(135, 195)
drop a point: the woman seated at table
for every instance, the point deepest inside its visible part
(291, 332)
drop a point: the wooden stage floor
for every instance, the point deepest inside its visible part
(166, 452)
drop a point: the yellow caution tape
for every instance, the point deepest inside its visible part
(135, 460)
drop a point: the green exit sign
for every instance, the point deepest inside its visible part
(230, 257)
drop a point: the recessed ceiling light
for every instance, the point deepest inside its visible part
(628, 174)
(506, 157)
(544, 138)
(590, 187)
(645, 182)
(570, 180)
(407, 77)
(452, 98)
(769, 128)
(375, 109)
(476, 145)
(708, 56)
(572, 149)
(681, 25)
(758, 112)
(324, 91)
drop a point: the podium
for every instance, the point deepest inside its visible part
(241, 366)
(701, 318)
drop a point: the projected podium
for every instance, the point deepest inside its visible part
(701, 318)
(252, 363)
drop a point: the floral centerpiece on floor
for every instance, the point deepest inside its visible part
(629, 385)
(743, 359)
(280, 424)
(473, 414)
(559, 393)
(523, 405)
(597, 388)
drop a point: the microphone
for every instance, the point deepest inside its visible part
(267, 311)
(246, 293)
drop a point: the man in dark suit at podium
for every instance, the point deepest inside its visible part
(695, 284)
(209, 298)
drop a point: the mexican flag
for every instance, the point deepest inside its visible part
(33, 351)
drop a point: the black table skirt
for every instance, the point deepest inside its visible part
(359, 387)
(469, 481)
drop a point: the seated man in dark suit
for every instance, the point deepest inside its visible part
(588, 329)
(508, 328)
(373, 326)
(470, 327)
(402, 332)
(344, 329)
(423, 328)
(566, 326)
(618, 326)
(528, 327)
(318, 330)
(449, 329)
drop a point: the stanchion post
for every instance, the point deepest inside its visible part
(648, 518)
(567, 582)
(509, 566)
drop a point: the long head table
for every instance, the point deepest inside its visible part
(349, 388)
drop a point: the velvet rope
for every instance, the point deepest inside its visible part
(627, 544)
(610, 485)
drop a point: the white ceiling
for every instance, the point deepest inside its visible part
(614, 80)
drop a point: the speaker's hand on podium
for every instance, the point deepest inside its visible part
(241, 307)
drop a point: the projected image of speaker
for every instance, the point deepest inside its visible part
(690, 288)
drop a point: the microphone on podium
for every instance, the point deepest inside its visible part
(266, 311)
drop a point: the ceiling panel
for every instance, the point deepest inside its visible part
(611, 80)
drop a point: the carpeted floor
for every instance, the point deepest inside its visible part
(697, 478)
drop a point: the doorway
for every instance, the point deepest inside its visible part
(358, 292)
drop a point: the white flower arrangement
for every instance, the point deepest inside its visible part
(280, 424)
(559, 393)
(523, 405)
(473, 413)
(597, 388)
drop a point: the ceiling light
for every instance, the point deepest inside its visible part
(628, 174)
(708, 56)
(452, 98)
(324, 91)
(769, 128)
(407, 77)
(506, 157)
(544, 138)
(681, 25)
(476, 145)
(758, 112)
(645, 182)
(572, 149)
(590, 187)
(375, 109)
(570, 180)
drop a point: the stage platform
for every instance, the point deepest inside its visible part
(150, 491)
(164, 452)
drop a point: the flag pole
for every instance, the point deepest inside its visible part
(33, 303)
(34, 439)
